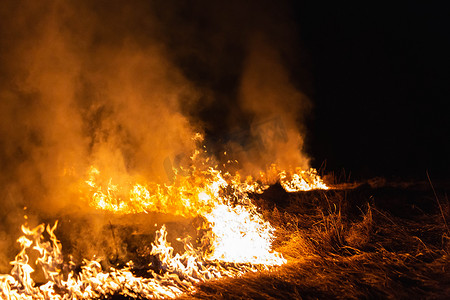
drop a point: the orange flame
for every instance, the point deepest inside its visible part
(238, 239)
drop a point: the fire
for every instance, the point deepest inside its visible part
(302, 181)
(242, 236)
(195, 194)
(237, 239)
(179, 272)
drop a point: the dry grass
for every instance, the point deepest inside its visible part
(383, 242)
(376, 241)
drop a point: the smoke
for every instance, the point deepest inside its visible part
(276, 106)
(244, 57)
(82, 85)
(124, 85)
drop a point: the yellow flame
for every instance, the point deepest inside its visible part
(180, 272)
(302, 181)
(192, 195)
(238, 238)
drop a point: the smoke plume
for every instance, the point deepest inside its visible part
(123, 85)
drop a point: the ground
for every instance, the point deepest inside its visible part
(370, 240)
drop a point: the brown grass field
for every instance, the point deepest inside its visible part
(374, 240)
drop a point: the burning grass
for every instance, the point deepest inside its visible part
(374, 240)
(389, 241)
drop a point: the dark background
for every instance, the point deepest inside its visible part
(376, 74)
(380, 87)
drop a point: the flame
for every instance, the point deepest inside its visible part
(179, 272)
(302, 181)
(193, 195)
(242, 236)
(237, 239)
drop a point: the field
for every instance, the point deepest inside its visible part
(371, 240)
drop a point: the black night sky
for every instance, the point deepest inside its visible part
(377, 76)
(380, 87)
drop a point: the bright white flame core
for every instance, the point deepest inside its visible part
(242, 236)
